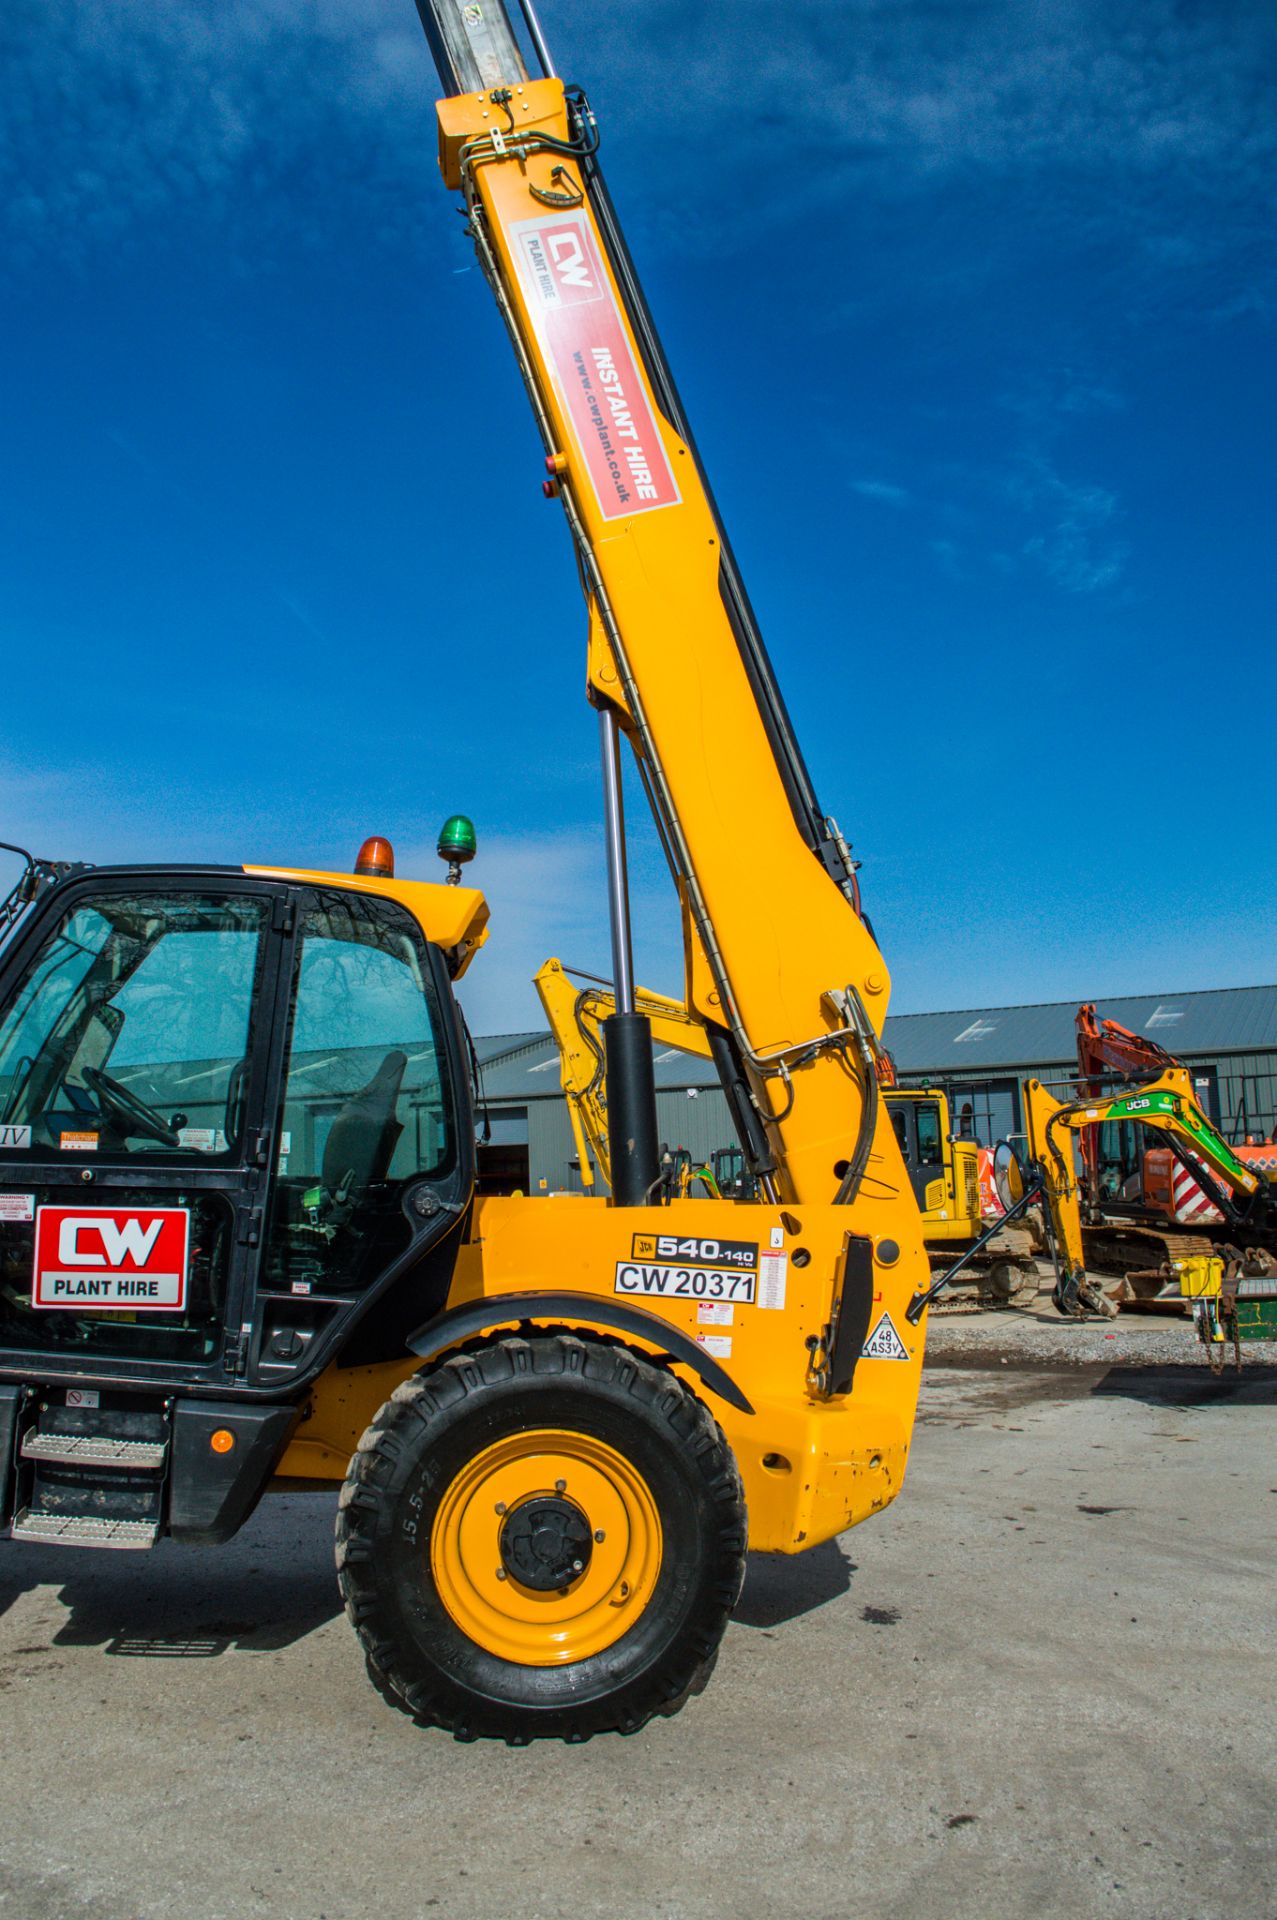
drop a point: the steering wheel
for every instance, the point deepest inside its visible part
(129, 1113)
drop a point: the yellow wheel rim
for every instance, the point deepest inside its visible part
(620, 1565)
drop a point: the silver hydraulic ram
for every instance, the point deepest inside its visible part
(474, 44)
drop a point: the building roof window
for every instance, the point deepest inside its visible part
(978, 1030)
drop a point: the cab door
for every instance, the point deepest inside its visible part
(139, 1024)
(373, 1140)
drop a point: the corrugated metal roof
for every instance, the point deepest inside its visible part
(495, 1046)
(1227, 1020)
(523, 1066)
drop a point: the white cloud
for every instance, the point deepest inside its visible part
(883, 490)
(547, 893)
(1152, 124)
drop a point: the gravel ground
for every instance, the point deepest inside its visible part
(1038, 1685)
(1031, 1333)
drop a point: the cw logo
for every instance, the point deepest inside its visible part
(567, 256)
(118, 1242)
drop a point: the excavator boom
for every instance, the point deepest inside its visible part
(1168, 1106)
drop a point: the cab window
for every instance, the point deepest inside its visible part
(131, 1030)
(930, 1147)
(364, 1107)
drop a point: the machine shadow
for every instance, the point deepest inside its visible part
(1254, 1386)
(191, 1603)
(780, 1586)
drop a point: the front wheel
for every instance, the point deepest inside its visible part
(541, 1537)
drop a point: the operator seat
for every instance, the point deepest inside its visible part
(363, 1136)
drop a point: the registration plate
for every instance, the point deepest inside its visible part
(684, 1282)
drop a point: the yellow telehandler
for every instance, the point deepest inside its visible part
(240, 1242)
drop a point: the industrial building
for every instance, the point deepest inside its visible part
(1228, 1038)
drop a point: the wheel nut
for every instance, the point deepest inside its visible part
(599, 1535)
(500, 1506)
(560, 1486)
(577, 1565)
(500, 1573)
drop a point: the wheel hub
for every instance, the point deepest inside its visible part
(545, 1543)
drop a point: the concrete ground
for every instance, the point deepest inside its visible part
(1040, 1684)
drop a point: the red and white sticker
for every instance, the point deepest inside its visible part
(717, 1345)
(600, 383)
(128, 1259)
(78, 1142)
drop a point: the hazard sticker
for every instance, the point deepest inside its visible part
(884, 1343)
(17, 1206)
(714, 1313)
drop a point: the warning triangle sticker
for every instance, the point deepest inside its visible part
(884, 1343)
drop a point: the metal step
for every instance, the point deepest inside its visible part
(79, 1530)
(93, 1449)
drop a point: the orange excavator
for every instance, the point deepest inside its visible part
(1156, 1205)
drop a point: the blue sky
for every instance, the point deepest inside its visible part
(971, 303)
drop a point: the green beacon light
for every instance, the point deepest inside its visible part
(457, 845)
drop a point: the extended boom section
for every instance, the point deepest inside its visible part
(777, 953)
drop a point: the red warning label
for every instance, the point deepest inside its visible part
(588, 351)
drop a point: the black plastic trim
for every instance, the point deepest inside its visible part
(855, 1304)
(499, 1309)
(212, 1494)
(10, 1400)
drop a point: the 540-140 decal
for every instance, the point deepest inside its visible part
(681, 1266)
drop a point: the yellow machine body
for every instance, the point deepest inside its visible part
(811, 1466)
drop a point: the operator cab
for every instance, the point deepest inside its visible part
(235, 1123)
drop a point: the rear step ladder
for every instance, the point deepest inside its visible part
(93, 1477)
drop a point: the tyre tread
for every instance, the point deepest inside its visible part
(416, 1404)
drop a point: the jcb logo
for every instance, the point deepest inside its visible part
(107, 1258)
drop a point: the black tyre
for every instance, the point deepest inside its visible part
(541, 1537)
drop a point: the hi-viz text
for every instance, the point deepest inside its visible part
(587, 350)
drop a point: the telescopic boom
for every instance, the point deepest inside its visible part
(780, 964)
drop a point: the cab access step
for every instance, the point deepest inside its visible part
(106, 1468)
(92, 1476)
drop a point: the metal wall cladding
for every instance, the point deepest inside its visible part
(702, 1124)
(699, 1124)
(1247, 1093)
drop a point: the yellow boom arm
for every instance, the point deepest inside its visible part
(777, 956)
(1165, 1104)
(576, 1015)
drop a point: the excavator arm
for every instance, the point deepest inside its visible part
(1168, 1106)
(1104, 1048)
(575, 1015)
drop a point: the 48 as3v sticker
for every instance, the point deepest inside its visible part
(687, 1283)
